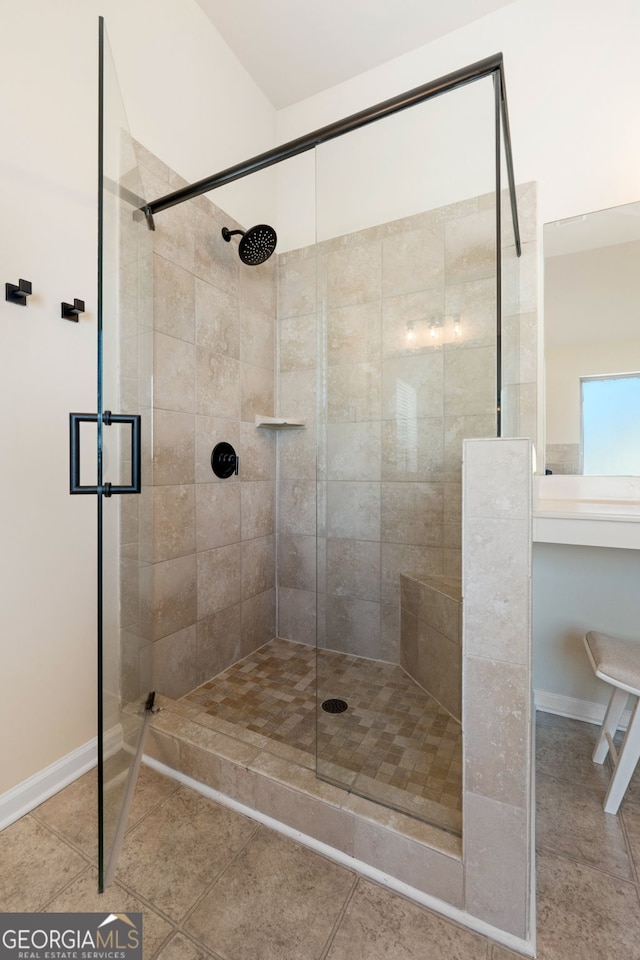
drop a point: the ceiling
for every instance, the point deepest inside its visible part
(296, 48)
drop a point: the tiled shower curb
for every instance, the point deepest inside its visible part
(276, 785)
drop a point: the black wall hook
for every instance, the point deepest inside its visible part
(18, 292)
(71, 311)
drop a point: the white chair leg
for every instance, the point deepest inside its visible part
(617, 703)
(627, 760)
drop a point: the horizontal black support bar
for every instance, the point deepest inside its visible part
(475, 71)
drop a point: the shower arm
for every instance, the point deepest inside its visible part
(490, 66)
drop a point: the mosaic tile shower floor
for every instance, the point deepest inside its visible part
(394, 743)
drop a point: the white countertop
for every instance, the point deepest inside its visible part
(588, 511)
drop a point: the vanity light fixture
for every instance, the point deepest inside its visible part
(434, 327)
(433, 323)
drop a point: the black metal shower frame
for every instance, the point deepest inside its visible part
(489, 67)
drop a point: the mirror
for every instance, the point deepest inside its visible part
(592, 343)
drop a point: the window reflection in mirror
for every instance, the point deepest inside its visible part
(611, 425)
(592, 332)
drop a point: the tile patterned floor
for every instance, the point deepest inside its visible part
(272, 692)
(394, 743)
(214, 885)
(395, 737)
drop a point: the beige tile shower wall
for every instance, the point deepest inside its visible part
(430, 638)
(128, 389)
(297, 357)
(497, 697)
(562, 458)
(520, 317)
(393, 413)
(212, 552)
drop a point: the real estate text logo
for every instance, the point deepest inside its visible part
(70, 936)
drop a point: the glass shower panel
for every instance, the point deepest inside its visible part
(406, 230)
(124, 387)
(516, 365)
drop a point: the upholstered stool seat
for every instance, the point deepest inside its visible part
(617, 662)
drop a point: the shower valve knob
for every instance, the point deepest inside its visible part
(224, 460)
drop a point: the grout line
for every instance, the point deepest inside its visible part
(163, 943)
(208, 952)
(599, 788)
(91, 860)
(144, 901)
(179, 927)
(86, 870)
(91, 864)
(635, 868)
(134, 825)
(338, 921)
(209, 887)
(548, 851)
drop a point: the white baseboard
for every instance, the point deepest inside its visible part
(18, 801)
(588, 711)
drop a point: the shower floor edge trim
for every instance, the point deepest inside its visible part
(448, 910)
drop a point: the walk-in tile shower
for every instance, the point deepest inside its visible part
(313, 596)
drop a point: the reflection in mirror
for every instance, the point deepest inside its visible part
(592, 343)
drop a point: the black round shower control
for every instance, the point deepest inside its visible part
(224, 461)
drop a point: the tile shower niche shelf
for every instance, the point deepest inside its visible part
(280, 423)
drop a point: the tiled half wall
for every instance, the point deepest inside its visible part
(497, 716)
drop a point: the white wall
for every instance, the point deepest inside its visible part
(47, 673)
(397, 167)
(188, 98)
(192, 103)
(572, 75)
(593, 295)
(578, 589)
(591, 313)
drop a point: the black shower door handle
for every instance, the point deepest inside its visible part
(108, 418)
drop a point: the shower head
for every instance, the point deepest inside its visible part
(257, 244)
